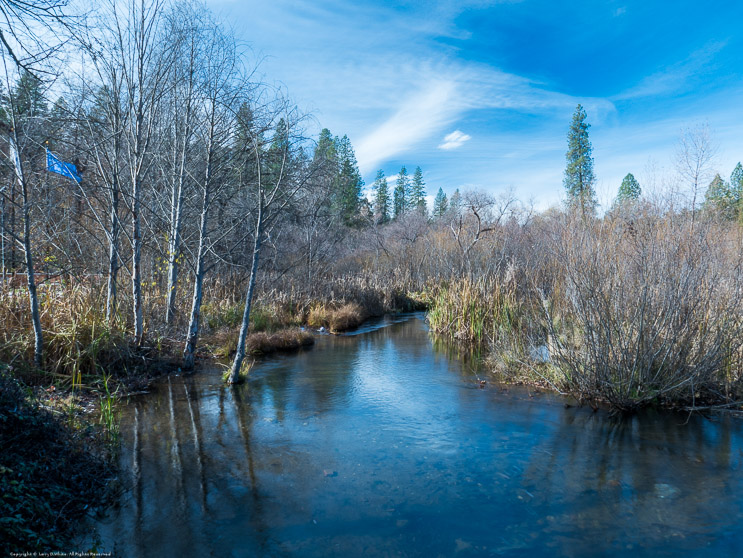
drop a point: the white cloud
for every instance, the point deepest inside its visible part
(454, 140)
(421, 115)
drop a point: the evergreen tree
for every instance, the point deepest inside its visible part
(417, 198)
(455, 204)
(440, 204)
(720, 197)
(28, 97)
(347, 196)
(736, 188)
(629, 190)
(276, 163)
(381, 198)
(736, 178)
(400, 195)
(579, 178)
(325, 150)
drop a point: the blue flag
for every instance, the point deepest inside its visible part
(60, 167)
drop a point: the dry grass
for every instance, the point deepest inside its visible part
(634, 310)
(79, 346)
(224, 343)
(336, 318)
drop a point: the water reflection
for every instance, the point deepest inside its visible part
(378, 445)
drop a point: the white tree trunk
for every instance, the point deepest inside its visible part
(234, 376)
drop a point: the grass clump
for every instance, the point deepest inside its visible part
(336, 318)
(285, 340)
(476, 311)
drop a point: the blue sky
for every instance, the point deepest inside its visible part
(480, 94)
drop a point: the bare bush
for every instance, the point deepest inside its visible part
(645, 309)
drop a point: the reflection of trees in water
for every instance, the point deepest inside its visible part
(641, 479)
(245, 426)
(176, 453)
(194, 412)
(307, 382)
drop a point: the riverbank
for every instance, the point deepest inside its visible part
(590, 346)
(62, 419)
(56, 467)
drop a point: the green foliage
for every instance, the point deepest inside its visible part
(416, 200)
(28, 97)
(400, 201)
(579, 178)
(629, 190)
(325, 150)
(440, 204)
(736, 178)
(381, 198)
(721, 198)
(736, 189)
(455, 204)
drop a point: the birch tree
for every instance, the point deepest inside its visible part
(273, 192)
(189, 50)
(220, 95)
(15, 153)
(137, 45)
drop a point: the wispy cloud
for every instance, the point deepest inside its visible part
(454, 140)
(677, 76)
(421, 115)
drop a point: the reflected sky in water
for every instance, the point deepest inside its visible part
(378, 444)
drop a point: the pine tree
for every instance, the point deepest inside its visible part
(736, 178)
(736, 188)
(347, 196)
(720, 197)
(579, 178)
(381, 198)
(325, 150)
(277, 163)
(440, 204)
(417, 198)
(400, 194)
(28, 97)
(455, 204)
(630, 190)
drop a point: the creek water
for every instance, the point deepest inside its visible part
(381, 443)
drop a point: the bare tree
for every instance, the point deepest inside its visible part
(136, 45)
(30, 31)
(220, 91)
(17, 163)
(275, 187)
(480, 214)
(188, 39)
(695, 156)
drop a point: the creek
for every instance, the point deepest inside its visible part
(384, 443)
